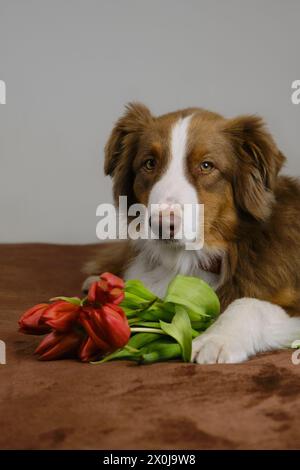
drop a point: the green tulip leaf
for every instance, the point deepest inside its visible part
(133, 301)
(140, 340)
(162, 349)
(72, 300)
(156, 312)
(132, 349)
(138, 289)
(195, 295)
(180, 329)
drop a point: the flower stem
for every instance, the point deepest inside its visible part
(147, 330)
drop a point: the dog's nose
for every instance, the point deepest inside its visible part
(169, 220)
(163, 224)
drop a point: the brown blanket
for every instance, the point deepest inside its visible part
(68, 405)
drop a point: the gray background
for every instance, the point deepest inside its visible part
(70, 66)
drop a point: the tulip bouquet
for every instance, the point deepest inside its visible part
(120, 320)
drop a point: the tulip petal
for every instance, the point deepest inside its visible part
(117, 326)
(109, 289)
(49, 341)
(89, 350)
(112, 280)
(92, 292)
(61, 315)
(32, 321)
(87, 320)
(57, 345)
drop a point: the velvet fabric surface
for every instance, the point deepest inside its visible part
(120, 405)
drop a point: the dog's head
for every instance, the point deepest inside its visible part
(196, 156)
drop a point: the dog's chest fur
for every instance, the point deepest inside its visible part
(156, 264)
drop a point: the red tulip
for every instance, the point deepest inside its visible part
(109, 289)
(32, 321)
(88, 351)
(57, 345)
(61, 315)
(107, 326)
(117, 326)
(96, 327)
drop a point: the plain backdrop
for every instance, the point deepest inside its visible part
(70, 66)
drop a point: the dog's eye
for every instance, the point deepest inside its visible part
(150, 164)
(206, 167)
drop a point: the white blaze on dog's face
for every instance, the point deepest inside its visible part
(173, 192)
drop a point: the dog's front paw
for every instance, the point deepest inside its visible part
(210, 348)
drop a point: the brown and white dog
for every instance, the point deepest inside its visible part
(251, 254)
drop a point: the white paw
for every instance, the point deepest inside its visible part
(211, 348)
(87, 283)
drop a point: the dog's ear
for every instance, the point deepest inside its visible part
(122, 146)
(123, 138)
(258, 161)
